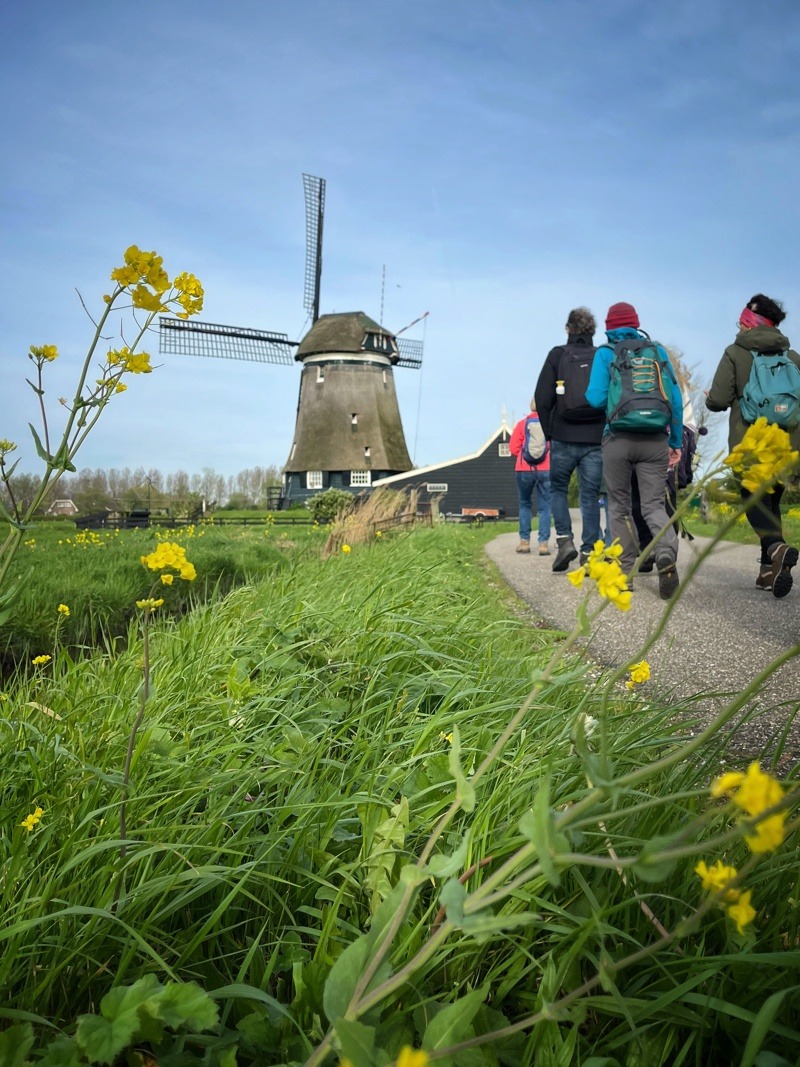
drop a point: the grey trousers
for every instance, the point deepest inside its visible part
(646, 454)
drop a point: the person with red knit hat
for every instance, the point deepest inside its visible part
(648, 454)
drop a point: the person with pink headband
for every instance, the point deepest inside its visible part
(758, 335)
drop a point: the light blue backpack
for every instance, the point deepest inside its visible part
(772, 390)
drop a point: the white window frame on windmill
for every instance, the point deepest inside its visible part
(313, 479)
(361, 478)
(503, 449)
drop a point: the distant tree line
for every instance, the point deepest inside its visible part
(178, 493)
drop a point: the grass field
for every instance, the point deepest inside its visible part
(325, 759)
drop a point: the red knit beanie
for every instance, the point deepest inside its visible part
(621, 315)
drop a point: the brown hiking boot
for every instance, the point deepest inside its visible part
(544, 548)
(783, 557)
(524, 546)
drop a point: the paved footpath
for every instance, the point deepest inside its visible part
(721, 633)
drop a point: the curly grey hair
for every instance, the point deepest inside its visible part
(581, 320)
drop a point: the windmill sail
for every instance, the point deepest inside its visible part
(184, 338)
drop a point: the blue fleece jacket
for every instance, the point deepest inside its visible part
(600, 377)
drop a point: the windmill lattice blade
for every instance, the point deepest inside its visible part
(184, 338)
(314, 190)
(410, 353)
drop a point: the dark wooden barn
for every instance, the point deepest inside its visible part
(483, 481)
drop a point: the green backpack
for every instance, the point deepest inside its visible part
(640, 388)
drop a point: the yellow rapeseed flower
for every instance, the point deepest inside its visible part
(639, 673)
(39, 661)
(32, 820)
(742, 912)
(754, 792)
(6, 446)
(345, 548)
(149, 604)
(762, 455)
(44, 353)
(167, 579)
(716, 878)
(410, 1057)
(577, 576)
(63, 610)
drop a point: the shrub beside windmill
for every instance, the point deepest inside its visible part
(348, 431)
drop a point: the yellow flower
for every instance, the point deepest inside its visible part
(410, 1057)
(716, 878)
(138, 364)
(39, 661)
(741, 912)
(149, 604)
(141, 297)
(63, 610)
(762, 455)
(167, 579)
(44, 353)
(7, 446)
(378, 533)
(345, 1062)
(170, 554)
(768, 834)
(32, 820)
(446, 737)
(345, 548)
(639, 673)
(577, 576)
(755, 792)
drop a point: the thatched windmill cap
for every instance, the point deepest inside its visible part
(344, 333)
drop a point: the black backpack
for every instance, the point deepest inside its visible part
(574, 369)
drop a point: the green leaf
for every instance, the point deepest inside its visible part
(123, 1014)
(62, 1052)
(451, 899)
(452, 1023)
(40, 449)
(582, 617)
(357, 1042)
(386, 842)
(443, 866)
(15, 1044)
(762, 1025)
(343, 978)
(649, 865)
(101, 1041)
(465, 791)
(538, 826)
(185, 1004)
(412, 875)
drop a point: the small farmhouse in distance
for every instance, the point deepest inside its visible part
(63, 507)
(482, 482)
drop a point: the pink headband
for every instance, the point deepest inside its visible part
(748, 320)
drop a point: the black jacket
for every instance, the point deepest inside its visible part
(555, 428)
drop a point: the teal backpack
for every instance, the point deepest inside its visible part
(772, 390)
(640, 387)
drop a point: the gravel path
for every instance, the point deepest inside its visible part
(720, 635)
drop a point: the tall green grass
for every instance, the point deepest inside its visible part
(295, 755)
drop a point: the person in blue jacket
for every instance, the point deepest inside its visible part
(648, 455)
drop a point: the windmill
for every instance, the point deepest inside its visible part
(348, 432)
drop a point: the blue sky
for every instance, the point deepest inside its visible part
(505, 161)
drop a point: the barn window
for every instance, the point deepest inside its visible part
(320, 375)
(360, 477)
(354, 419)
(366, 452)
(503, 449)
(313, 479)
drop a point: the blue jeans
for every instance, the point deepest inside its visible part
(527, 482)
(588, 459)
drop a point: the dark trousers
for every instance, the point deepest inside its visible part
(764, 516)
(643, 531)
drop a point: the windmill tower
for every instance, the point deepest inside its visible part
(348, 432)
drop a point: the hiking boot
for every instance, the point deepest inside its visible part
(583, 559)
(783, 557)
(524, 546)
(764, 579)
(667, 577)
(648, 566)
(544, 548)
(566, 553)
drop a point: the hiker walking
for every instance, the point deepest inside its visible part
(528, 444)
(633, 381)
(760, 344)
(574, 430)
